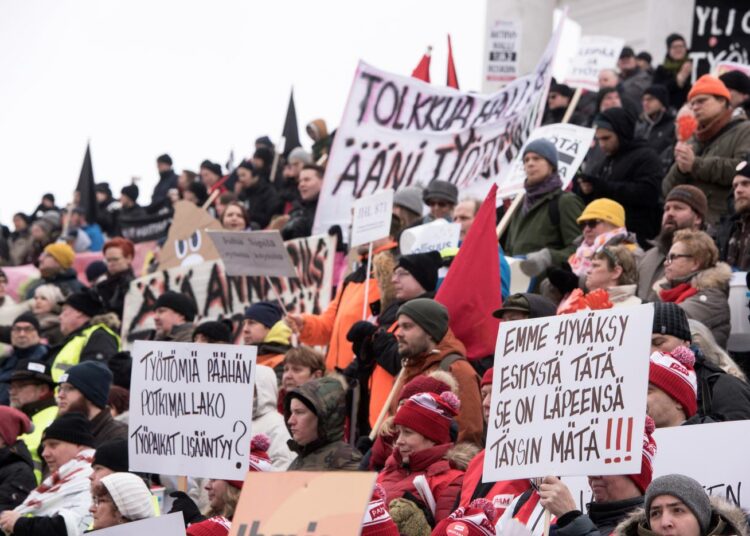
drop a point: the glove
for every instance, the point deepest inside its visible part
(409, 518)
(183, 503)
(536, 262)
(359, 333)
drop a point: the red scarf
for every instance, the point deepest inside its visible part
(678, 294)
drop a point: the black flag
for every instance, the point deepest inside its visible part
(291, 132)
(85, 188)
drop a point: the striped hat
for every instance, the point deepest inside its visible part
(430, 415)
(674, 374)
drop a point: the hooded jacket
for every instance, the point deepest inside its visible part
(710, 305)
(631, 177)
(267, 420)
(301, 219)
(262, 202)
(726, 519)
(326, 397)
(16, 475)
(274, 347)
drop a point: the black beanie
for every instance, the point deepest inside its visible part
(179, 303)
(430, 315)
(72, 428)
(737, 81)
(670, 319)
(264, 154)
(92, 379)
(423, 267)
(212, 167)
(215, 331)
(198, 189)
(671, 38)
(265, 312)
(113, 455)
(164, 159)
(658, 92)
(131, 191)
(245, 164)
(29, 318)
(87, 302)
(121, 365)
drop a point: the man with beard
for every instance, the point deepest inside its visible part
(734, 237)
(684, 208)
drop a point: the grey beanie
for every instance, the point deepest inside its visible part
(430, 315)
(298, 153)
(441, 191)
(544, 148)
(410, 198)
(687, 490)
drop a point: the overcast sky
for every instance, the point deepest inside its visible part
(194, 79)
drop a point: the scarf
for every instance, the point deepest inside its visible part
(672, 66)
(536, 191)
(678, 294)
(709, 131)
(580, 261)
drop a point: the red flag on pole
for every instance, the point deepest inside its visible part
(471, 290)
(422, 70)
(452, 76)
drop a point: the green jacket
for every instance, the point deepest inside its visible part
(326, 396)
(714, 166)
(535, 230)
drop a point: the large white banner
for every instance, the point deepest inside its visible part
(397, 131)
(569, 395)
(191, 407)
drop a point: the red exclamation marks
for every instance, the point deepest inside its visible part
(629, 448)
(618, 436)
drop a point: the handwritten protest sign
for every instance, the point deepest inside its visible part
(595, 52)
(253, 253)
(301, 503)
(501, 51)
(398, 131)
(191, 409)
(572, 143)
(721, 33)
(569, 395)
(165, 525)
(433, 236)
(372, 217)
(221, 296)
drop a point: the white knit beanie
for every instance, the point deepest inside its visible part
(130, 495)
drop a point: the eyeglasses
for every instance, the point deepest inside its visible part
(590, 223)
(674, 256)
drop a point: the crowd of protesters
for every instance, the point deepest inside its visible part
(659, 213)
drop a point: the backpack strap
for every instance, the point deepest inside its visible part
(447, 362)
(553, 209)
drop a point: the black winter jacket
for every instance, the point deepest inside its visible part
(16, 475)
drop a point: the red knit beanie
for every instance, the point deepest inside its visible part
(477, 519)
(709, 85)
(643, 479)
(423, 384)
(259, 460)
(13, 423)
(378, 521)
(430, 415)
(674, 374)
(487, 377)
(213, 526)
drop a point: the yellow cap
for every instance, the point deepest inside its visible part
(604, 209)
(62, 253)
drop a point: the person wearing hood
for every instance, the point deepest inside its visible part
(544, 227)
(709, 158)
(322, 140)
(167, 181)
(315, 413)
(24, 338)
(56, 268)
(258, 195)
(263, 326)
(16, 467)
(267, 420)
(677, 505)
(675, 72)
(118, 255)
(629, 174)
(656, 122)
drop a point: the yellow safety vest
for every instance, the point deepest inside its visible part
(41, 419)
(70, 354)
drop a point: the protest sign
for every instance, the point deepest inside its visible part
(145, 227)
(303, 503)
(221, 296)
(164, 525)
(433, 236)
(722, 474)
(253, 253)
(721, 33)
(501, 50)
(727, 66)
(594, 53)
(572, 143)
(187, 243)
(191, 409)
(372, 217)
(569, 395)
(398, 131)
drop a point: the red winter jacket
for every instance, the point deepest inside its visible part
(444, 481)
(500, 494)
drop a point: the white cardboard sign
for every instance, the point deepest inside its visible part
(433, 236)
(191, 409)
(372, 217)
(164, 525)
(572, 143)
(569, 395)
(248, 253)
(595, 52)
(501, 51)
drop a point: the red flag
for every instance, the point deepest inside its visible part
(452, 76)
(471, 290)
(422, 70)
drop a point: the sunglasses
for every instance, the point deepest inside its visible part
(590, 223)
